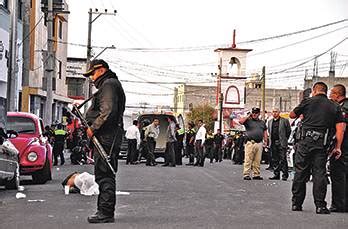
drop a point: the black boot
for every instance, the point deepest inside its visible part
(100, 218)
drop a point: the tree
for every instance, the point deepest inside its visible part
(204, 112)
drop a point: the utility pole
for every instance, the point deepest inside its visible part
(263, 89)
(220, 97)
(50, 66)
(88, 88)
(12, 87)
(26, 43)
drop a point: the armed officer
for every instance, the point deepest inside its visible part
(105, 116)
(319, 116)
(339, 165)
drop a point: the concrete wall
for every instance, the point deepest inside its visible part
(284, 99)
(329, 80)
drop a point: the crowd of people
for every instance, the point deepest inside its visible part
(72, 137)
(196, 144)
(319, 120)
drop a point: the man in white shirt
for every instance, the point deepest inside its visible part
(151, 134)
(133, 136)
(199, 143)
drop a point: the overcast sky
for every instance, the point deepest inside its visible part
(178, 39)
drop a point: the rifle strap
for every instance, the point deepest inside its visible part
(113, 144)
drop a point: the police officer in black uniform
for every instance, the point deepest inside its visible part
(339, 166)
(105, 116)
(319, 116)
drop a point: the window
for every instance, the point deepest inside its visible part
(4, 3)
(60, 34)
(19, 9)
(59, 69)
(75, 86)
(21, 124)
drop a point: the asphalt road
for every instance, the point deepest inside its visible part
(214, 196)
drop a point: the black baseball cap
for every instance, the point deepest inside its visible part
(255, 110)
(95, 64)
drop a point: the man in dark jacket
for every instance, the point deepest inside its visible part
(339, 165)
(105, 116)
(279, 133)
(319, 116)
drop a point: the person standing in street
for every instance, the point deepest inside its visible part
(133, 136)
(105, 116)
(59, 136)
(170, 146)
(256, 133)
(279, 133)
(179, 145)
(209, 145)
(199, 144)
(190, 140)
(151, 134)
(320, 116)
(339, 165)
(218, 141)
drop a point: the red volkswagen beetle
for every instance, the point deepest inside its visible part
(35, 152)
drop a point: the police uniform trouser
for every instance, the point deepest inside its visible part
(103, 176)
(218, 153)
(58, 149)
(178, 152)
(338, 179)
(310, 156)
(190, 152)
(209, 150)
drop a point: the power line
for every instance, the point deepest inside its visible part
(198, 48)
(31, 31)
(305, 62)
(294, 33)
(298, 42)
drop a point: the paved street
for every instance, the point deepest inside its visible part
(160, 197)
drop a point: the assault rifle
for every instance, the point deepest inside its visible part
(101, 151)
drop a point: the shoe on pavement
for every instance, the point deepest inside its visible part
(284, 178)
(296, 208)
(257, 178)
(165, 165)
(334, 209)
(100, 218)
(322, 210)
(274, 178)
(247, 178)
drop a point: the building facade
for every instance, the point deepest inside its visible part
(74, 78)
(34, 82)
(5, 19)
(188, 96)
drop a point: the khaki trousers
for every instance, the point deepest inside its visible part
(253, 153)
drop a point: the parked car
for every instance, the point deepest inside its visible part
(35, 152)
(9, 167)
(163, 119)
